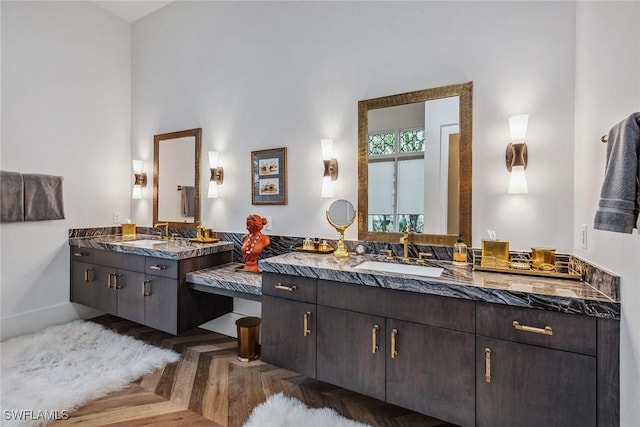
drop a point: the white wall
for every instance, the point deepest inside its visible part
(65, 111)
(258, 75)
(608, 90)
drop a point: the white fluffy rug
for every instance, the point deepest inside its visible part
(50, 373)
(283, 411)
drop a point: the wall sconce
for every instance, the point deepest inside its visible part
(517, 157)
(217, 174)
(140, 180)
(330, 168)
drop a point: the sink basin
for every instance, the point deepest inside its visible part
(141, 243)
(388, 267)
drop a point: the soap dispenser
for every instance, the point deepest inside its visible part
(459, 252)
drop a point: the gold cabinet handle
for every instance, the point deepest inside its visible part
(86, 275)
(282, 287)
(487, 364)
(80, 254)
(146, 293)
(305, 324)
(158, 267)
(394, 352)
(109, 278)
(115, 281)
(545, 331)
(374, 338)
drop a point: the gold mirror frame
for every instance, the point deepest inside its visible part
(465, 92)
(157, 139)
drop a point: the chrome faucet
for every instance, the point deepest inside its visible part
(166, 228)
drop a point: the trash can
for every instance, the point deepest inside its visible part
(248, 336)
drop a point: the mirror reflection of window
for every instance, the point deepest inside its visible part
(409, 157)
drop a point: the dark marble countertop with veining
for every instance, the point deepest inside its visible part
(178, 248)
(559, 295)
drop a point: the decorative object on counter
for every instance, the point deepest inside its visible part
(128, 228)
(543, 259)
(620, 194)
(330, 168)
(361, 249)
(495, 253)
(341, 215)
(516, 156)
(217, 174)
(253, 243)
(460, 252)
(269, 177)
(204, 235)
(523, 263)
(140, 181)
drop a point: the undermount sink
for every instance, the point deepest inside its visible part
(142, 243)
(388, 267)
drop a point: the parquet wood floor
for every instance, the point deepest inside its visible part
(210, 387)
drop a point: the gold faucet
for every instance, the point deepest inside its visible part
(166, 228)
(405, 241)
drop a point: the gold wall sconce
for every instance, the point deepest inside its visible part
(330, 167)
(140, 180)
(517, 157)
(217, 174)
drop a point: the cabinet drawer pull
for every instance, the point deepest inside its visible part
(81, 254)
(546, 331)
(394, 352)
(305, 324)
(109, 279)
(487, 364)
(282, 287)
(115, 280)
(88, 271)
(146, 293)
(374, 338)
(158, 267)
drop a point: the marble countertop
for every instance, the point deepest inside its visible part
(179, 248)
(559, 295)
(226, 277)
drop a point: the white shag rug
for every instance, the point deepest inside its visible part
(283, 411)
(49, 374)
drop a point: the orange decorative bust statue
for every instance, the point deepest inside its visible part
(253, 243)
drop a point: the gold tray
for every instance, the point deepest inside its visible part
(204, 240)
(541, 273)
(315, 251)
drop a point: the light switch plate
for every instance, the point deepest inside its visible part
(269, 224)
(116, 218)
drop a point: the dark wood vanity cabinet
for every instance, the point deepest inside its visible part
(289, 316)
(458, 360)
(146, 290)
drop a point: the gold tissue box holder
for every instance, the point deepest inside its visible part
(522, 263)
(495, 253)
(128, 230)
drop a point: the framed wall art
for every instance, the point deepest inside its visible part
(269, 177)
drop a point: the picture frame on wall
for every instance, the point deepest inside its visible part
(269, 177)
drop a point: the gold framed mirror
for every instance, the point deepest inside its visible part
(414, 166)
(176, 178)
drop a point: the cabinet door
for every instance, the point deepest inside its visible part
(83, 280)
(351, 350)
(525, 385)
(431, 370)
(129, 290)
(105, 296)
(289, 334)
(161, 303)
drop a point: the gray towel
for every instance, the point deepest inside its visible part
(620, 196)
(11, 197)
(188, 201)
(42, 197)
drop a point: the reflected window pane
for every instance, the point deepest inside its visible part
(411, 140)
(381, 223)
(382, 143)
(414, 222)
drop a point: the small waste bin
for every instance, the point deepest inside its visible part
(248, 335)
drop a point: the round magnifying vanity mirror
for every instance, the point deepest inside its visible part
(341, 215)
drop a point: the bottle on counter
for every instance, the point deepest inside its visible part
(459, 252)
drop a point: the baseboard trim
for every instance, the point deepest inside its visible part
(32, 321)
